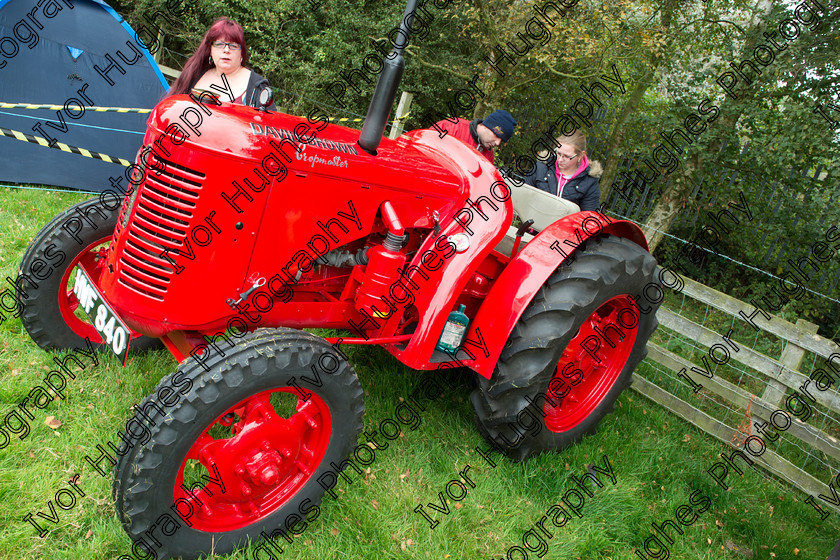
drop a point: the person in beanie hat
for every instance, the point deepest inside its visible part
(485, 134)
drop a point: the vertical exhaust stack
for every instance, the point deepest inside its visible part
(386, 88)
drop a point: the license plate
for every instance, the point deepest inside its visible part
(107, 323)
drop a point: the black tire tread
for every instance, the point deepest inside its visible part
(39, 308)
(592, 275)
(135, 473)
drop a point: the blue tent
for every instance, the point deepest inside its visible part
(49, 54)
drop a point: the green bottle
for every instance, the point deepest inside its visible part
(453, 331)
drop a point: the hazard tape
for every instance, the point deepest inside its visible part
(60, 107)
(117, 110)
(62, 146)
(82, 151)
(127, 110)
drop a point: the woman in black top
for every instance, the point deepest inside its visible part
(220, 61)
(569, 174)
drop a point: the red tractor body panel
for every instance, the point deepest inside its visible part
(248, 199)
(239, 219)
(247, 196)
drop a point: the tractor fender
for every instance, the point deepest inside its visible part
(525, 274)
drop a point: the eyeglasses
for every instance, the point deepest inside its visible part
(223, 44)
(564, 157)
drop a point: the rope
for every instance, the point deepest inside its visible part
(75, 124)
(62, 146)
(30, 106)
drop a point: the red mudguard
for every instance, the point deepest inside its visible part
(523, 276)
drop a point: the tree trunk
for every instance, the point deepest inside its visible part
(670, 203)
(617, 134)
(676, 197)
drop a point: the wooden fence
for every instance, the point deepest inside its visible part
(747, 388)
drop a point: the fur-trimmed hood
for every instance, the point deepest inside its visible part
(582, 189)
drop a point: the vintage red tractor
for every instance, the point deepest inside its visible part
(244, 226)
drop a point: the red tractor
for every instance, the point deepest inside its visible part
(243, 226)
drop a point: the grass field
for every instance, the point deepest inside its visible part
(658, 461)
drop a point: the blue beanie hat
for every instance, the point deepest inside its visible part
(501, 123)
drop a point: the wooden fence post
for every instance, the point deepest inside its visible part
(402, 112)
(791, 358)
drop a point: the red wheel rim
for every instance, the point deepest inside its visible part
(267, 461)
(616, 321)
(91, 259)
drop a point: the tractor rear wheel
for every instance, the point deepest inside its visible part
(51, 313)
(572, 352)
(267, 421)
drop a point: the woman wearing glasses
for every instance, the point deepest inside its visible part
(219, 67)
(569, 174)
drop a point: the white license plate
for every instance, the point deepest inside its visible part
(107, 323)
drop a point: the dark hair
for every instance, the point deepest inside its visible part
(224, 29)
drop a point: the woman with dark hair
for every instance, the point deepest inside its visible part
(220, 60)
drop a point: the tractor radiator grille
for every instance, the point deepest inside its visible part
(160, 220)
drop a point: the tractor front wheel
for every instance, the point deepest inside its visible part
(247, 449)
(76, 238)
(572, 352)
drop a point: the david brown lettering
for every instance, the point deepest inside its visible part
(336, 161)
(265, 130)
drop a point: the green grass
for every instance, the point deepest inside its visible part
(658, 460)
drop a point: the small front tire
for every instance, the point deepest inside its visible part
(78, 237)
(253, 423)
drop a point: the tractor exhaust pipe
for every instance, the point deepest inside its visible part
(386, 88)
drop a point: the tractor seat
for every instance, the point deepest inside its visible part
(530, 203)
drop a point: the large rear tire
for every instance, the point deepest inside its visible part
(572, 352)
(49, 311)
(247, 420)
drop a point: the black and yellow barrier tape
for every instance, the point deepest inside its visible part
(4, 105)
(62, 146)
